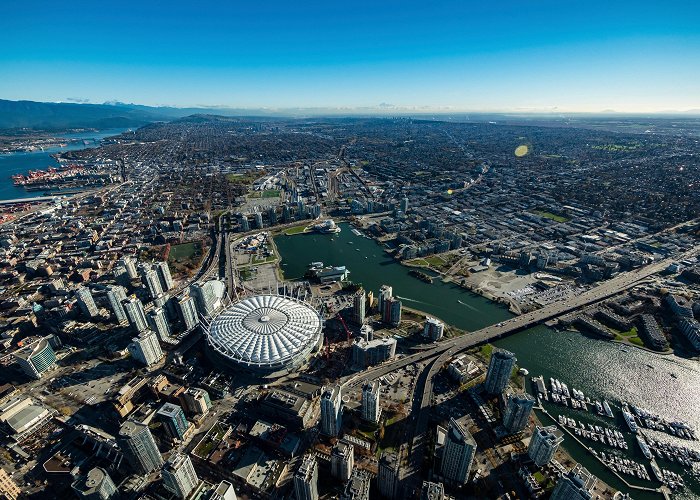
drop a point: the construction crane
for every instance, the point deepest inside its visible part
(347, 331)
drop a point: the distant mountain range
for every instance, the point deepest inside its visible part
(66, 115)
(52, 116)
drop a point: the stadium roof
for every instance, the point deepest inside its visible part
(266, 331)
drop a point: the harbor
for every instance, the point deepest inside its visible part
(42, 162)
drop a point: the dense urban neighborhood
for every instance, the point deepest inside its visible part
(172, 326)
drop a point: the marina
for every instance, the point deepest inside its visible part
(615, 438)
(563, 355)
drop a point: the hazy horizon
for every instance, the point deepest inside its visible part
(454, 57)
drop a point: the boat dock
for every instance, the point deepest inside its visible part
(663, 490)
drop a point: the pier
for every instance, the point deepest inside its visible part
(662, 489)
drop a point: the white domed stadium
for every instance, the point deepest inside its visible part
(266, 334)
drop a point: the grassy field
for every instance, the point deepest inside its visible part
(628, 335)
(550, 215)
(268, 193)
(185, 258)
(435, 261)
(248, 178)
(636, 341)
(294, 230)
(264, 260)
(185, 251)
(416, 262)
(485, 351)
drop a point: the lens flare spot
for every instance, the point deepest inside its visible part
(521, 150)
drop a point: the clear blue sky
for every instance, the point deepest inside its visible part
(523, 55)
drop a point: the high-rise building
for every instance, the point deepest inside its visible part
(457, 453)
(135, 314)
(115, 296)
(331, 411)
(187, 310)
(358, 486)
(179, 476)
(258, 220)
(342, 460)
(389, 476)
(204, 297)
(245, 225)
(272, 216)
(121, 276)
(543, 444)
(95, 485)
(127, 262)
(306, 479)
(145, 348)
(139, 447)
(224, 491)
(159, 323)
(35, 356)
(8, 488)
(404, 204)
(163, 271)
(359, 302)
(174, 420)
(500, 369)
(385, 292)
(432, 491)
(517, 412)
(195, 401)
(577, 484)
(367, 353)
(391, 313)
(86, 302)
(433, 329)
(149, 278)
(370, 401)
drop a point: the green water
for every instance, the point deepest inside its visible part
(449, 302)
(599, 368)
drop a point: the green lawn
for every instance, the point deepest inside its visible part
(637, 341)
(539, 477)
(184, 251)
(247, 178)
(550, 215)
(435, 261)
(485, 351)
(416, 262)
(632, 332)
(263, 260)
(294, 230)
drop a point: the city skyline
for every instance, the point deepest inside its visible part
(454, 57)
